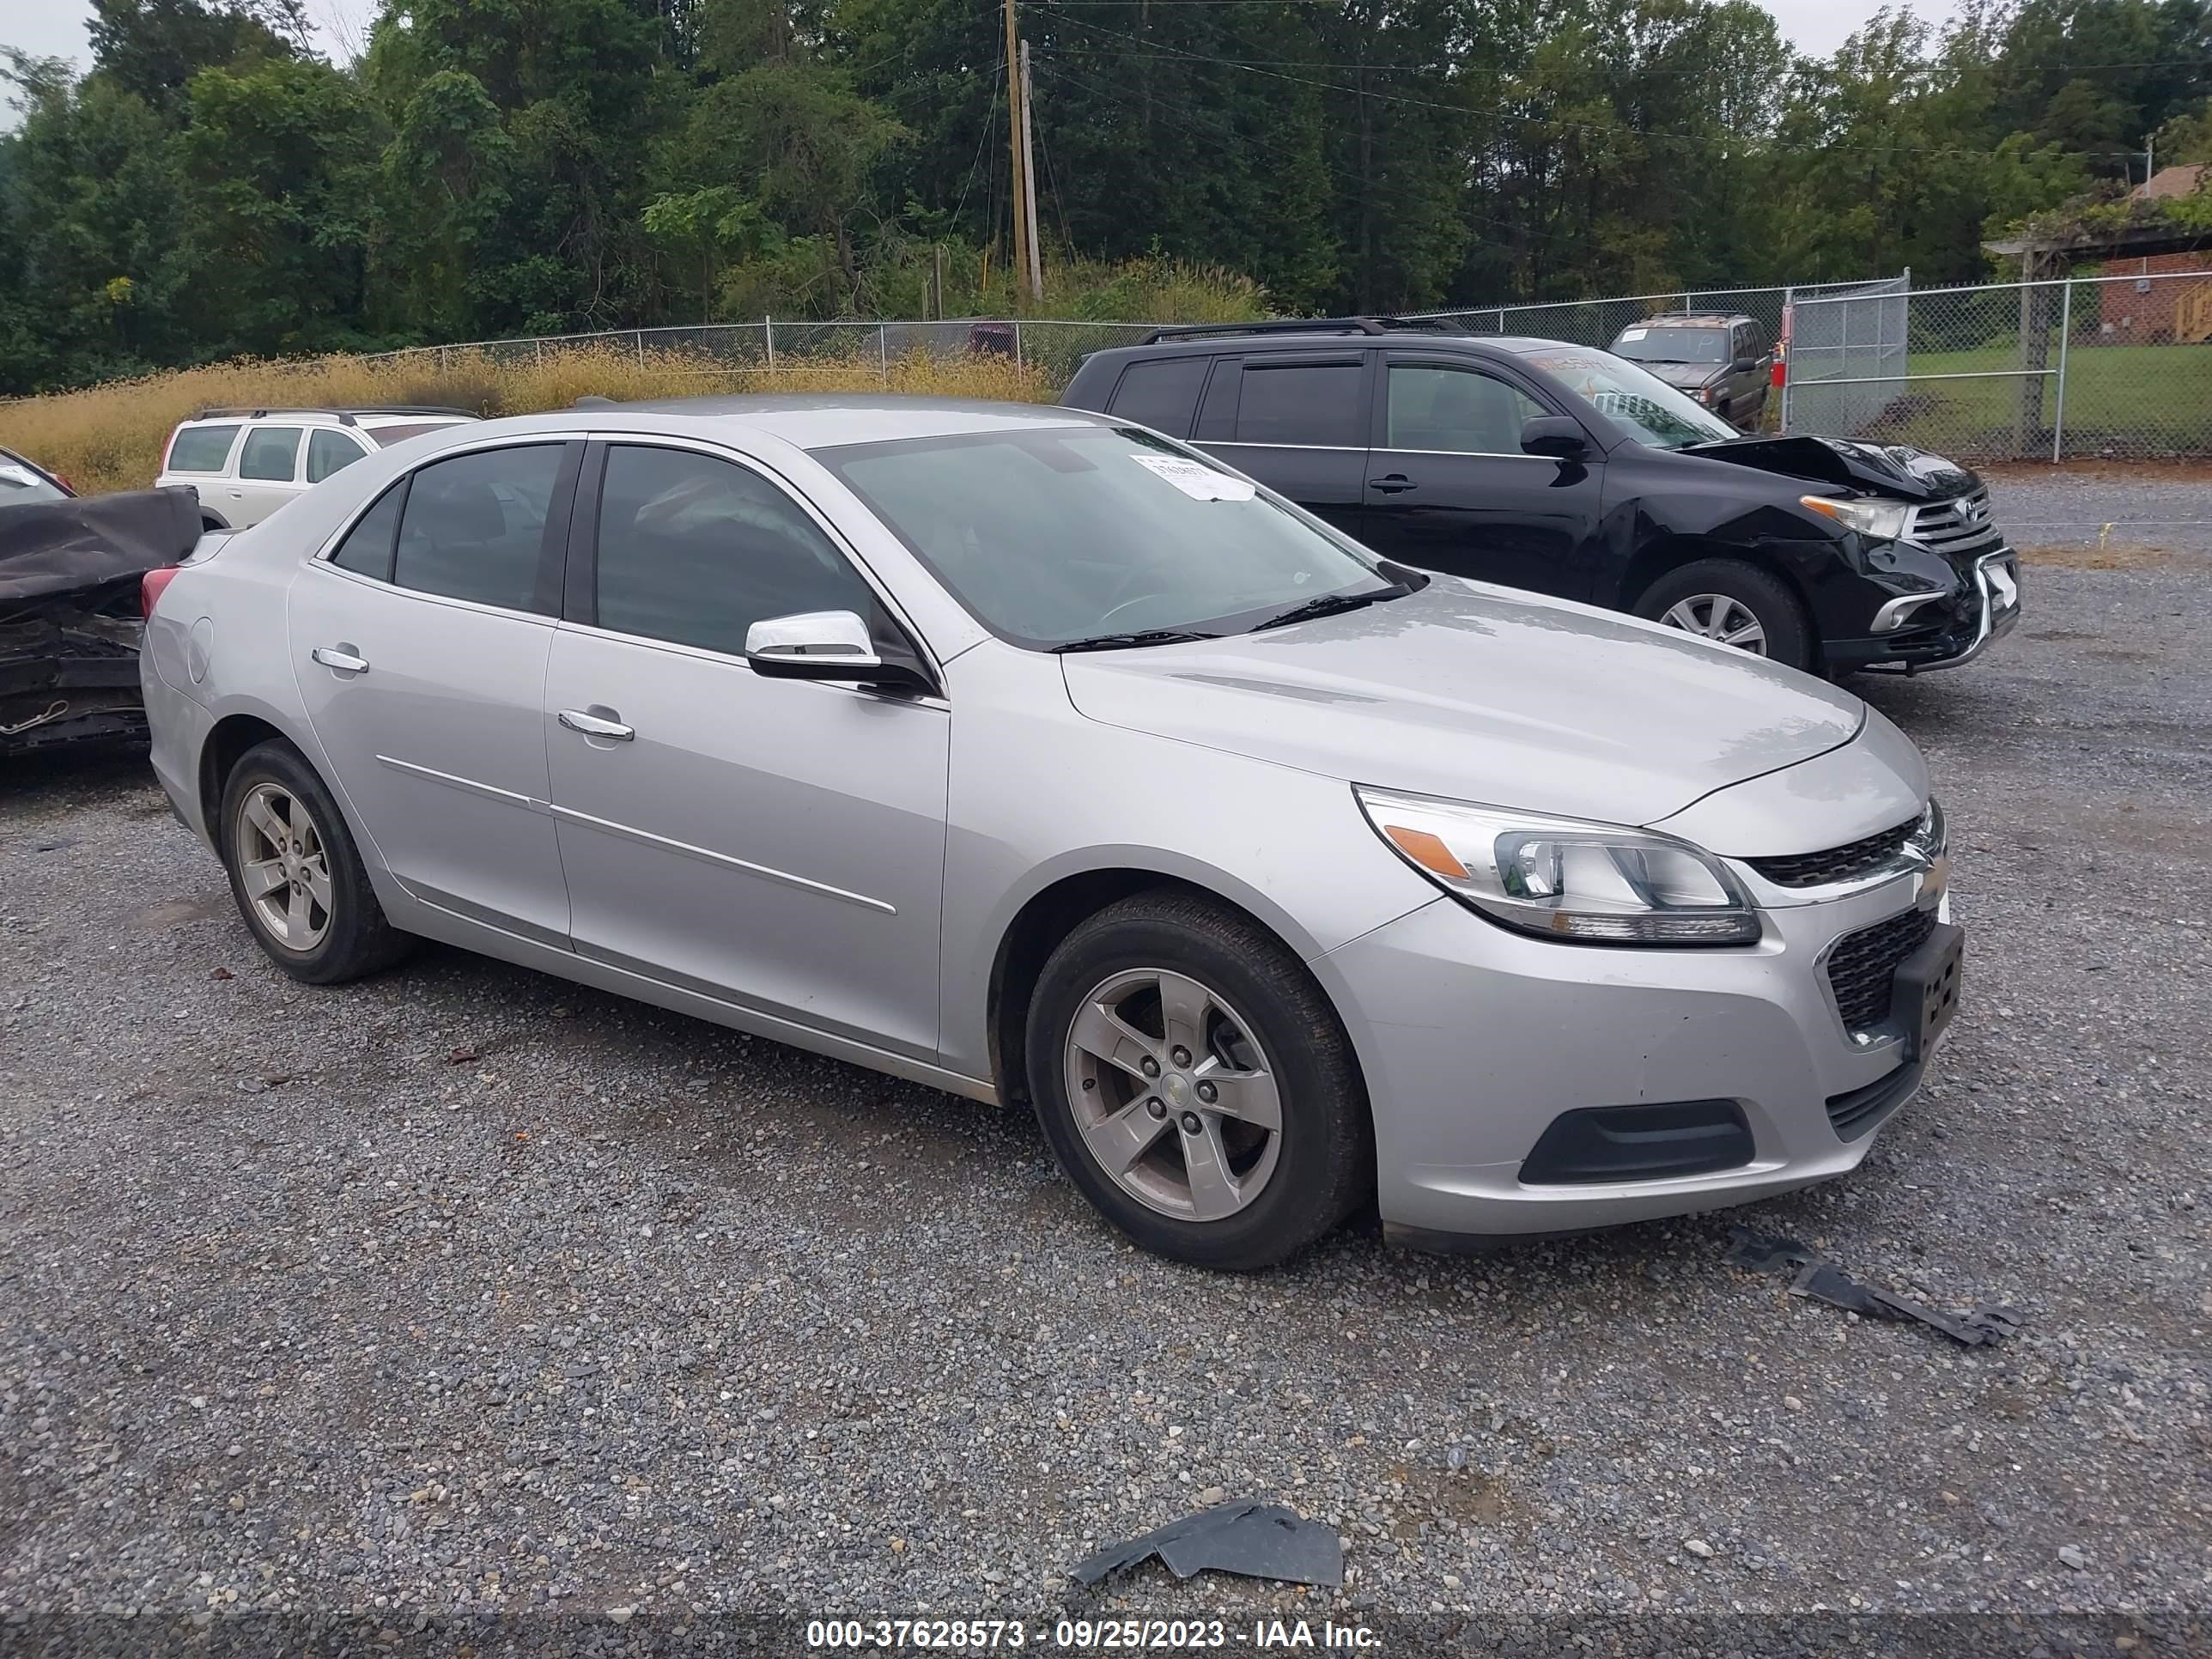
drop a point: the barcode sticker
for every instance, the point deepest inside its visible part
(1197, 480)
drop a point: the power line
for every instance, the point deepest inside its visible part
(1615, 129)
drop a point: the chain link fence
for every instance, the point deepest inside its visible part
(865, 351)
(1599, 322)
(2102, 367)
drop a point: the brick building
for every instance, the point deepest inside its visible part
(2148, 312)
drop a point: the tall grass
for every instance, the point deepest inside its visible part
(112, 436)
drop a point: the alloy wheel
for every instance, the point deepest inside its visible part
(1173, 1095)
(1718, 616)
(284, 866)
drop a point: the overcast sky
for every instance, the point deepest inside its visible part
(55, 28)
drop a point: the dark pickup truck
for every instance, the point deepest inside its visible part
(1568, 470)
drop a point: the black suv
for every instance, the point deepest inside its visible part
(1568, 470)
(1718, 359)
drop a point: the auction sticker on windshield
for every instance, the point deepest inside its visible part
(1197, 480)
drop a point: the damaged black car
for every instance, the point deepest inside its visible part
(71, 571)
(1567, 471)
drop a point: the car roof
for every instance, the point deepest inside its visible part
(827, 420)
(1407, 340)
(346, 415)
(1694, 319)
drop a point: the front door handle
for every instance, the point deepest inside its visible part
(1391, 483)
(594, 726)
(340, 657)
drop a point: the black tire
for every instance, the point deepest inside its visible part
(355, 940)
(1323, 1165)
(1789, 639)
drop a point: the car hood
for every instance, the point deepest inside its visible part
(1894, 470)
(1480, 694)
(1688, 376)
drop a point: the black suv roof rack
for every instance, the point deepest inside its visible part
(1311, 325)
(346, 416)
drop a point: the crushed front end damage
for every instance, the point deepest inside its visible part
(69, 622)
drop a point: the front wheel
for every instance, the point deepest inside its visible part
(1735, 603)
(1194, 1081)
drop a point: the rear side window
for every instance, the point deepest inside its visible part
(696, 551)
(271, 455)
(1308, 404)
(1162, 394)
(367, 550)
(328, 450)
(474, 525)
(200, 448)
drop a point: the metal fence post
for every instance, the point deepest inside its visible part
(1017, 342)
(1788, 318)
(1501, 320)
(884, 353)
(640, 337)
(2065, 332)
(768, 325)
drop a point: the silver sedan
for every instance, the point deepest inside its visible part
(1035, 756)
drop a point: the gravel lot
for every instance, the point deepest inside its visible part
(468, 1287)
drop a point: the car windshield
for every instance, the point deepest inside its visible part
(1673, 345)
(1098, 533)
(21, 484)
(1634, 400)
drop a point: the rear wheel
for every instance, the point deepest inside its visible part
(1196, 1084)
(295, 874)
(1735, 603)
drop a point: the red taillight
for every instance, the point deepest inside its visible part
(150, 586)
(64, 483)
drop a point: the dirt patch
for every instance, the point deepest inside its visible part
(2113, 554)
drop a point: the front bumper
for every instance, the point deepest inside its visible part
(1475, 1040)
(1989, 610)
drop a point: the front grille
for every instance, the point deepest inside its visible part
(1960, 527)
(1860, 1111)
(1863, 964)
(1853, 858)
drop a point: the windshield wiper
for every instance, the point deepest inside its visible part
(1329, 604)
(1126, 642)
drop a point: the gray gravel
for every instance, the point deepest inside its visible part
(466, 1286)
(2166, 508)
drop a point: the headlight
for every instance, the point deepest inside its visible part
(1884, 520)
(1562, 880)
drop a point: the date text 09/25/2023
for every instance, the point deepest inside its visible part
(1089, 1635)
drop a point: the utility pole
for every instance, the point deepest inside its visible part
(1021, 259)
(1032, 273)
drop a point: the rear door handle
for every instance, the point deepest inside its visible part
(341, 658)
(1391, 483)
(593, 725)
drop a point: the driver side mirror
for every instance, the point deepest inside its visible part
(1743, 363)
(1556, 436)
(823, 645)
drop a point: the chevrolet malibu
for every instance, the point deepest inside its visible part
(1038, 757)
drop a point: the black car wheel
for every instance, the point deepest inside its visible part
(1736, 603)
(295, 874)
(1194, 1081)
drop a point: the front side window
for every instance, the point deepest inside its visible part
(1310, 405)
(474, 526)
(201, 448)
(1458, 409)
(1071, 533)
(694, 549)
(328, 450)
(1640, 403)
(271, 455)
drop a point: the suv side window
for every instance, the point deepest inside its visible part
(201, 448)
(271, 455)
(474, 526)
(1162, 393)
(328, 450)
(694, 549)
(1317, 405)
(1459, 410)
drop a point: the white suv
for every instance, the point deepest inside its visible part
(244, 464)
